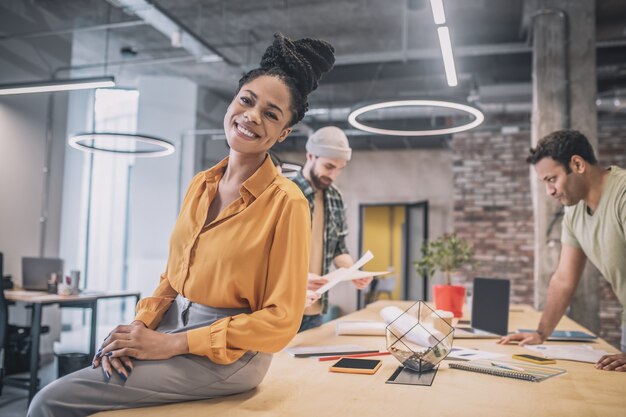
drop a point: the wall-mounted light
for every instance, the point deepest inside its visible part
(56, 85)
(478, 117)
(79, 140)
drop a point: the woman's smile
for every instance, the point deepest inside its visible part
(245, 131)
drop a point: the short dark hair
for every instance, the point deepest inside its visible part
(299, 64)
(561, 145)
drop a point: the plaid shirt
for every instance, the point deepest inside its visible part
(335, 227)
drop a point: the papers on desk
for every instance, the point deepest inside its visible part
(406, 327)
(348, 274)
(569, 352)
(566, 336)
(328, 350)
(467, 354)
(360, 328)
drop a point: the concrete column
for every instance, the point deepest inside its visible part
(564, 93)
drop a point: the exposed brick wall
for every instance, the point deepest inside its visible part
(493, 210)
(493, 206)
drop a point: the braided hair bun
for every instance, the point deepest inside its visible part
(305, 60)
(299, 64)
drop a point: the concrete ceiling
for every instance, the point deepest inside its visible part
(386, 49)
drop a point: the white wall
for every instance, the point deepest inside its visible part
(167, 108)
(22, 140)
(22, 159)
(23, 126)
(398, 176)
(72, 246)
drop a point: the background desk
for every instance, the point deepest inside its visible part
(38, 300)
(304, 387)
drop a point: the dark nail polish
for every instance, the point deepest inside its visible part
(98, 353)
(122, 376)
(107, 374)
(128, 369)
(108, 353)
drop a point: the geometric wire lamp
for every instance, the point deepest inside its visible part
(417, 337)
(158, 147)
(472, 111)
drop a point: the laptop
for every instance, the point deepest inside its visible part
(490, 310)
(36, 272)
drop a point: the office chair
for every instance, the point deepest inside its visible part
(6, 330)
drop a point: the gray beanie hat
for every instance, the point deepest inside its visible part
(329, 142)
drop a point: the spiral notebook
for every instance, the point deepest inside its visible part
(519, 370)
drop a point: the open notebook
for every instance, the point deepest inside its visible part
(516, 370)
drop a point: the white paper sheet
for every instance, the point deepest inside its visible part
(324, 350)
(578, 353)
(360, 328)
(468, 354)
(348, 274)
(406, 326)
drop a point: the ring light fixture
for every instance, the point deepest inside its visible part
(78, 142)
(478, 117)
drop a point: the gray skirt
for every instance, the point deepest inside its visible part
(181, 378)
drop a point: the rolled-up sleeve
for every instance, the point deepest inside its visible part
(342, 224)
(272, 326)
(150, 310)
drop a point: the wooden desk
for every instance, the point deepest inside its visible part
(39, 299)
(304, 387)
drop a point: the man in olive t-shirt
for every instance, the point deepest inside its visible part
(594, 228)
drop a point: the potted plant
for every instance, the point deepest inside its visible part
(448, 254)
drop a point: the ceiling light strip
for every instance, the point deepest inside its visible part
(478, 117)
(448, 58)
(438, 14)
(57, 85)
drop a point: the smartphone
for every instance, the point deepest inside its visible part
(356, 366)
(534, 359)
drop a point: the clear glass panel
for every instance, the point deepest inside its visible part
(105, 198)
(416, 223)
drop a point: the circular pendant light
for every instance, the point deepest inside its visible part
(79, 140)
(478, 117)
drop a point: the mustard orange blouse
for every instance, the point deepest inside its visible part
(254, 254)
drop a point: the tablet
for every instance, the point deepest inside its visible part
(356, 366)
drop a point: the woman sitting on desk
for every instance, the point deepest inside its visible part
(234, 288)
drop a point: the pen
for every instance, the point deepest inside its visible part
(356, 355)
(507, 366)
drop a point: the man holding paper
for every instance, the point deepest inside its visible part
(328, 153)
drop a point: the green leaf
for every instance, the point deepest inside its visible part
(448, 253)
